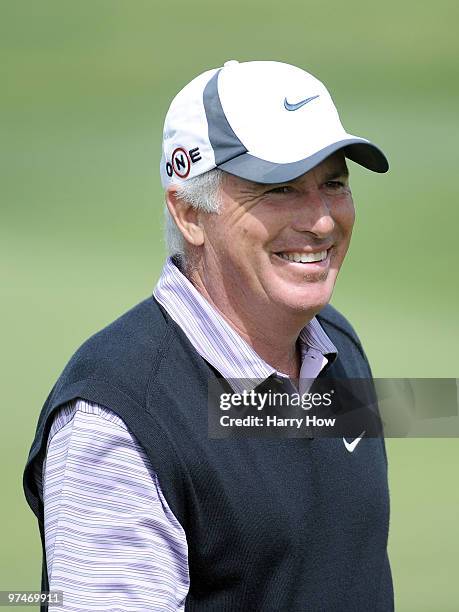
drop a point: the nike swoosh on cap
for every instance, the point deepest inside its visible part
(350, 446)
(297, 105)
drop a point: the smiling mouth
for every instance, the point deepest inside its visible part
(304, 258)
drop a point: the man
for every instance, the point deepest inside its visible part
(138, 507)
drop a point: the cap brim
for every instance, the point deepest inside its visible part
(253, 168)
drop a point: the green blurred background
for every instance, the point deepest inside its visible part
(85, 86)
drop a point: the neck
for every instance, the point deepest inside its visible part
(262, 332)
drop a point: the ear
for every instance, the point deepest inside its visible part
(185, 216)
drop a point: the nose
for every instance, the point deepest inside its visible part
(313, 214)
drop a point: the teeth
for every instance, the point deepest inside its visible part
(304, 257)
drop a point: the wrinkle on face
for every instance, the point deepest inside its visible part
(247, 194)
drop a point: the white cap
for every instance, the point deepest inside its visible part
(267, 122)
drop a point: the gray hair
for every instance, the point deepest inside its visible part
(203, 193)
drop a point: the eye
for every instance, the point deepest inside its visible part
(281, 189)
(334, 185)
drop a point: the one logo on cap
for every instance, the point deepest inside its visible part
(297, 105)
(181, 161)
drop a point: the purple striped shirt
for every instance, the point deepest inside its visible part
(112, 541)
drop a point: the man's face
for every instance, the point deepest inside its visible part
(278, 248)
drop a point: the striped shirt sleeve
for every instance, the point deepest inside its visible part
(112, 542)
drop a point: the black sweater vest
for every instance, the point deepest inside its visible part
(290, 525)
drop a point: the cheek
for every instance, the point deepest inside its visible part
(251, 236)
(236, 249)
(344, 216)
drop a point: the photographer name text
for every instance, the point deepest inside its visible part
(274, 421)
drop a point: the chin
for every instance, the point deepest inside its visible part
(307, 306)
(309, 299)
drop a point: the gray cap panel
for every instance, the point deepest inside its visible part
(252, 168)
(225, 143)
